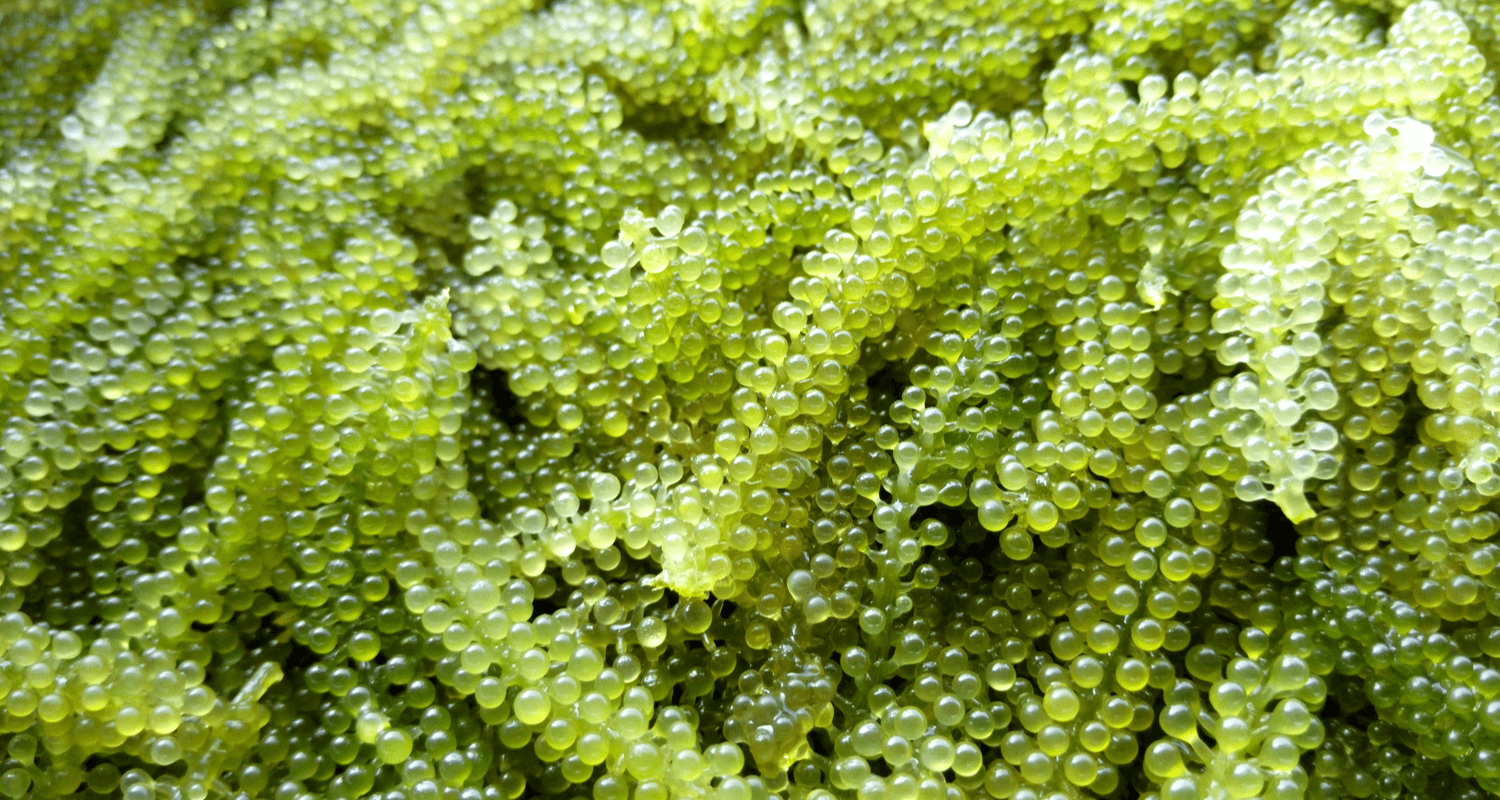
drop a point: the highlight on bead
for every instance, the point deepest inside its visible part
(721, 400)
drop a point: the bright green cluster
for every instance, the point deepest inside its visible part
(749, 400)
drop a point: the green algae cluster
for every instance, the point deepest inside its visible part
(749, 400)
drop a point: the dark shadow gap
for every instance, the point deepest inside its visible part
(663, 122)
(1280, 531)
(491, 389)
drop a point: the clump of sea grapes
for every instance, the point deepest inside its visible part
(477, 400)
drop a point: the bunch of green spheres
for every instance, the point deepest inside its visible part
(749, 400)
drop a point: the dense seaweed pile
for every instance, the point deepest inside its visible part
(712, 400)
